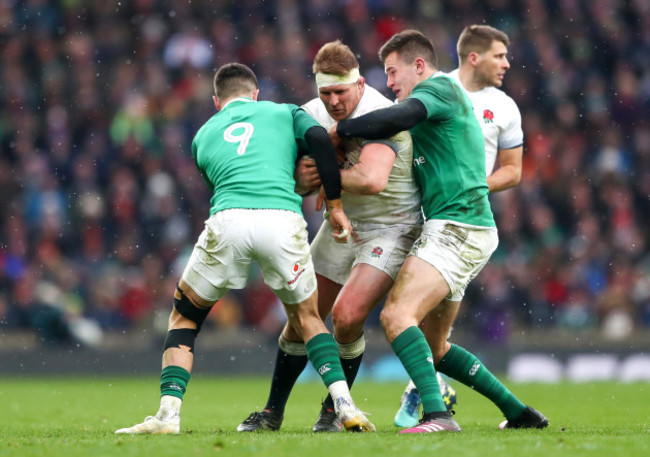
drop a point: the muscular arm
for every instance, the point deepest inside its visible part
(384, 122)
(321, 150)
(369, 175)
(509, 172)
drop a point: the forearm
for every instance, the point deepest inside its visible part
(504, 178)
(322, 151)
(384, 122)
(357, 181)
(371, 173)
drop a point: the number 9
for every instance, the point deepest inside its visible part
(242, 138)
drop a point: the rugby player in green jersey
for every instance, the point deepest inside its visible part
(247, 153)
(459, 234)
(483, 63)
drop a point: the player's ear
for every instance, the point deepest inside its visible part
(473, 58)
(420, 65)
(216, 102)
(256, 94)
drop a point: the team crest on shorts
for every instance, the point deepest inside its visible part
(377, 252)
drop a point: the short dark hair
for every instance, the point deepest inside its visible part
(234, 78)
(410, 44)
(335, 58)
(478, 38)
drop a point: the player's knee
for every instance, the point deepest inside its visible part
(348, 320)
(180, 338)
(391, 321)
(189, 310)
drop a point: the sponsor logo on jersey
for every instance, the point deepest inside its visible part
(324, 369)
(475, 367)
(419, 161)
(377, 252)
(295, 268)
(488, 116)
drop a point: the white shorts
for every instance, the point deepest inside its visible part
(458, 252)
(276, 239)
(384, 248)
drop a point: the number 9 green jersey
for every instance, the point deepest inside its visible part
(247, 153)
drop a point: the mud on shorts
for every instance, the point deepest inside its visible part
(384, 248)
(458, 252)
(276, 239)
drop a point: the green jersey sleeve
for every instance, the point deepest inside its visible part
(301, 123)
(439, 96)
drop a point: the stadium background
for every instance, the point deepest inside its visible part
(100, 201)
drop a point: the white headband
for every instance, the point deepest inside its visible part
(326, 79)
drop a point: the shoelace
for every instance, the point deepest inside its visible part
(253, 417)
(412, 403)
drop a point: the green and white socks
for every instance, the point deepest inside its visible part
(412, 349)
(468, 369)
(324, 355)
(173, 383)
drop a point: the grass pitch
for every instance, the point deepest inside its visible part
(77, 417)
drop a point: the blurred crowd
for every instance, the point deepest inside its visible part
(100, 201)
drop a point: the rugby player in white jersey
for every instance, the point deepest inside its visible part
(382, 202)
(483, 62)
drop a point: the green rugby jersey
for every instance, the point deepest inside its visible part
(449, 155)
(247, 154)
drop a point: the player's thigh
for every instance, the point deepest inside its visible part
(366, 287)
(418, 289)
(221, 257)
(281, 248)
(332, 260)
(328, 290)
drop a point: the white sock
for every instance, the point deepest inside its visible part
(169, 406)
(340, 389)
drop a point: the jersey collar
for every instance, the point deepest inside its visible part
(238, 99)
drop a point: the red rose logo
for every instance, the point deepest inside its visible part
(488, 116)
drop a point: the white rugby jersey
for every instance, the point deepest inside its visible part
(500, 120)
(399, 202)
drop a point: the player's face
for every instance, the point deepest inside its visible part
(342, 99)
(402, 76)
(492, 65)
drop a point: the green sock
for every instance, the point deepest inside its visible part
(413, 351)
(323, 353)
(173, 381)
(466, 368)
